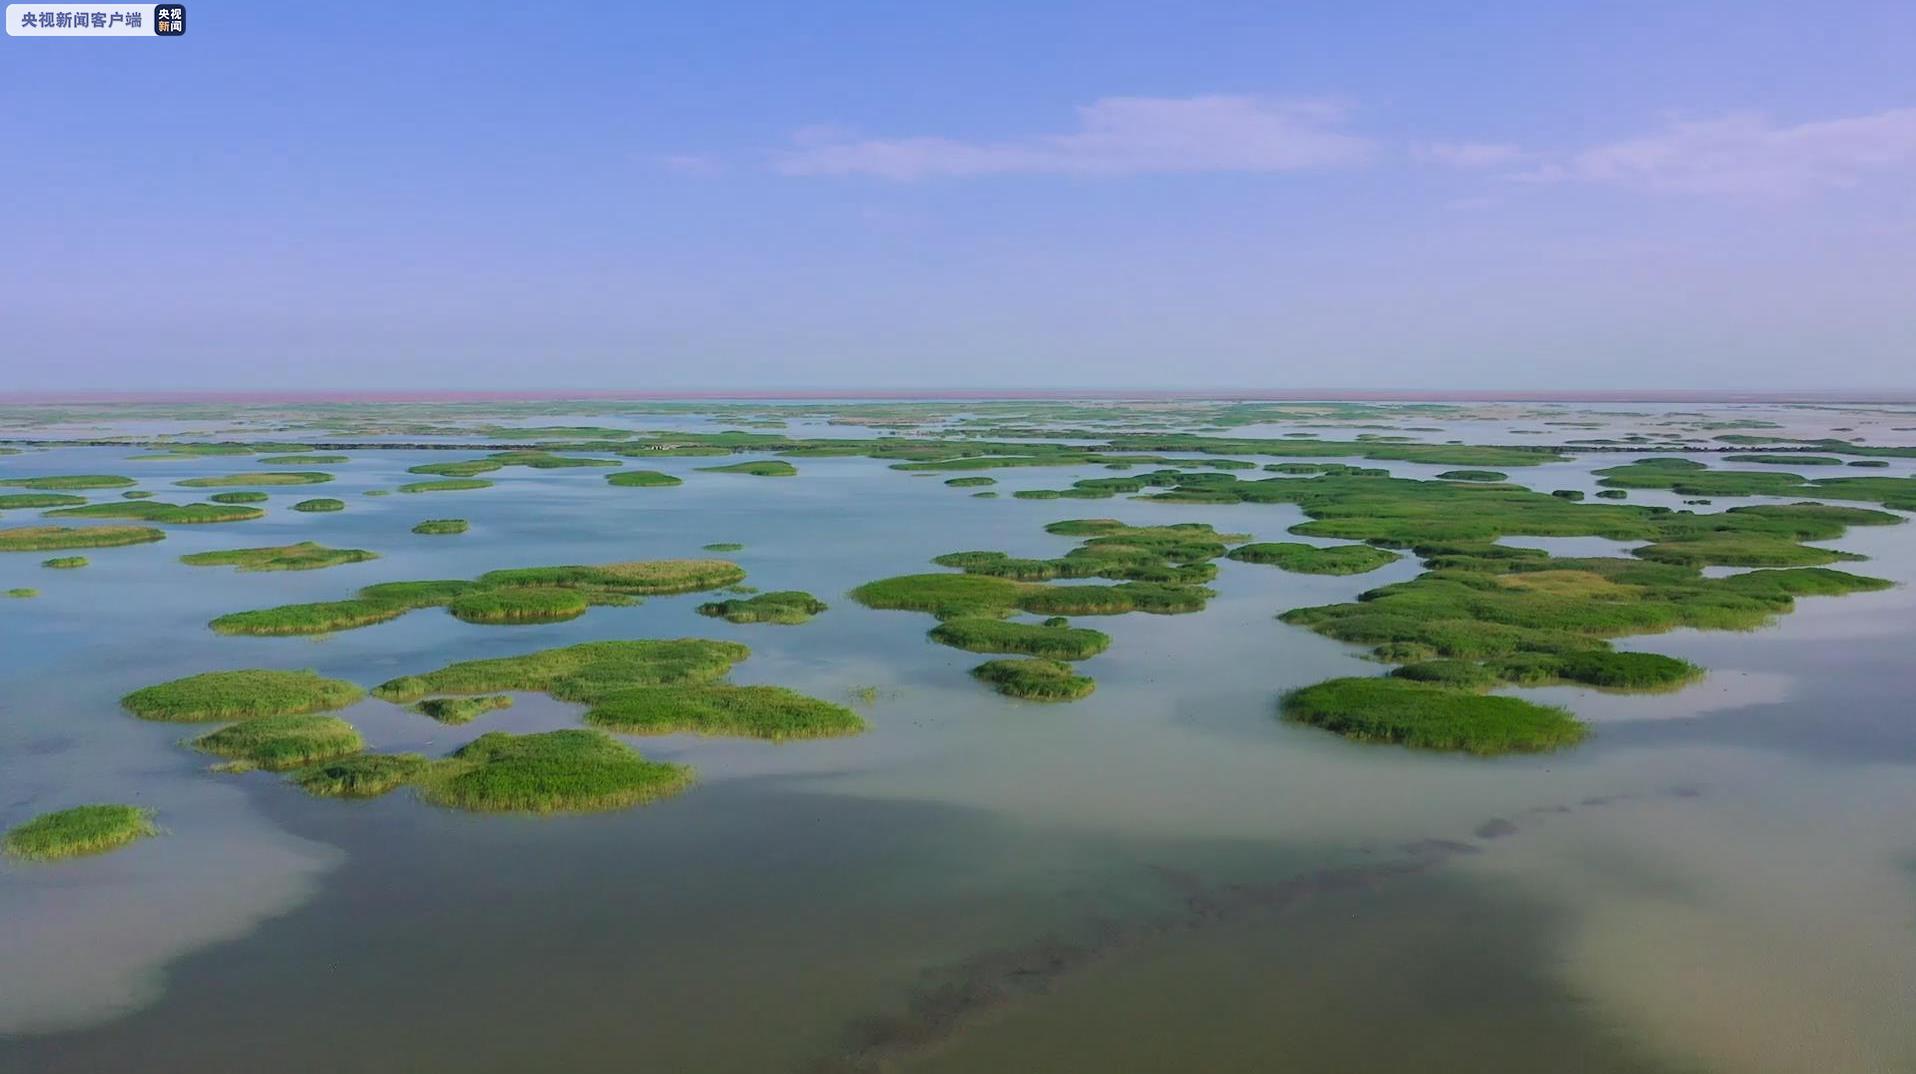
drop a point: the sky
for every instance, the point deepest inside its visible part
(757, 196)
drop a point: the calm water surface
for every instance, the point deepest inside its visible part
(1161, 877)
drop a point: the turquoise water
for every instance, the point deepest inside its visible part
(1160, 877)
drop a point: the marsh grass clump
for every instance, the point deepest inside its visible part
(768, 712)
(519, 604)
(38, 500)
(724, 546)
(55, 538)
(23, 593)
(1473, 475)
(642, 479)
(79, 831)
(1427, 715)
(571, 771)
(456, 484)
(64, 563)
(70, 481)
(758, 468)
(321, 504)
(267, 477)
(365, 776)
(440, 526)
(459, 710)
(1053, 641)
(304, 556)
(946, 596)
(650, 577)
(300, 460)
(171, 514)
(238, 497)
(1313, 559)
(1034, 679)
(240, 695)
(581, 672)
(323, 617)
(789, 607)
(970, 482)
(278, 743)
(136, 494)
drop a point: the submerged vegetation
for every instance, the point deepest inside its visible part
(789, 607)
(1034, 679)
(79, 831)
(1428, 716)
(54, 538)
(240, 695)
(304, 556)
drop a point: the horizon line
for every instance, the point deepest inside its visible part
(1450, 395)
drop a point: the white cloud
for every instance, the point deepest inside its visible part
(1746, 155)
(1468, 154)
(1115, 136)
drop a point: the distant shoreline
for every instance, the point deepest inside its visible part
(1326, 395)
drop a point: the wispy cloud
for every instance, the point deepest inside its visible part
(1746, 155)
(1468, 154)
(1115, 136)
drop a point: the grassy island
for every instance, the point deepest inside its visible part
(724, 546)
(436, 526)
(768, 712)
(1473, 475)
(64, 563)
(458, 710)
(1056, 640)
(70, 481)
(278, 743)
(267, 477)
(970, 482)
(300, 460)
(79, 831)
(238, 497)
(583, 672)
(642, 479)
(571, 771)
(367, 775)
(759, 468)
(240, 695)
(169, 514)
(455, 484)
(789, 607)
(54, 538)
(23, 593)
(519, 604)
(324, 503)
(1312, 559)
(1034, 679)
(1430, 716)
(304, 556)
(38, 500)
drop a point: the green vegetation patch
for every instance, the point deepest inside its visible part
(970, 482)
(649, 577)
(642, 479)
(238, 497)
(1473, 475)
(267, 477)
(240, 695)
(278, 743)
(583, 672)
(171, 514)
(70, 481)
(789, 607)
(1053, 642)
(23, 593)
(760, 468)
(1034, 679)
(35, 500)
(79, 831)
(768, 712)
(301, 460)
(458, 710)
(571, 771)
(364, 776)
(1786, 460)
(1312, 559)
(54, 538)
(724, 546)
(947, 596)
(321, 504)
(323, 617)
(455, 484)
(519, 604)
(136, 494)
(304, 556)
(436, 526)
(1431, 716)
(64, 563)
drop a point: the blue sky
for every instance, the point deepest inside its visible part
(434, 195)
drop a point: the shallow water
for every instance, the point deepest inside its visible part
(1160, 877)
